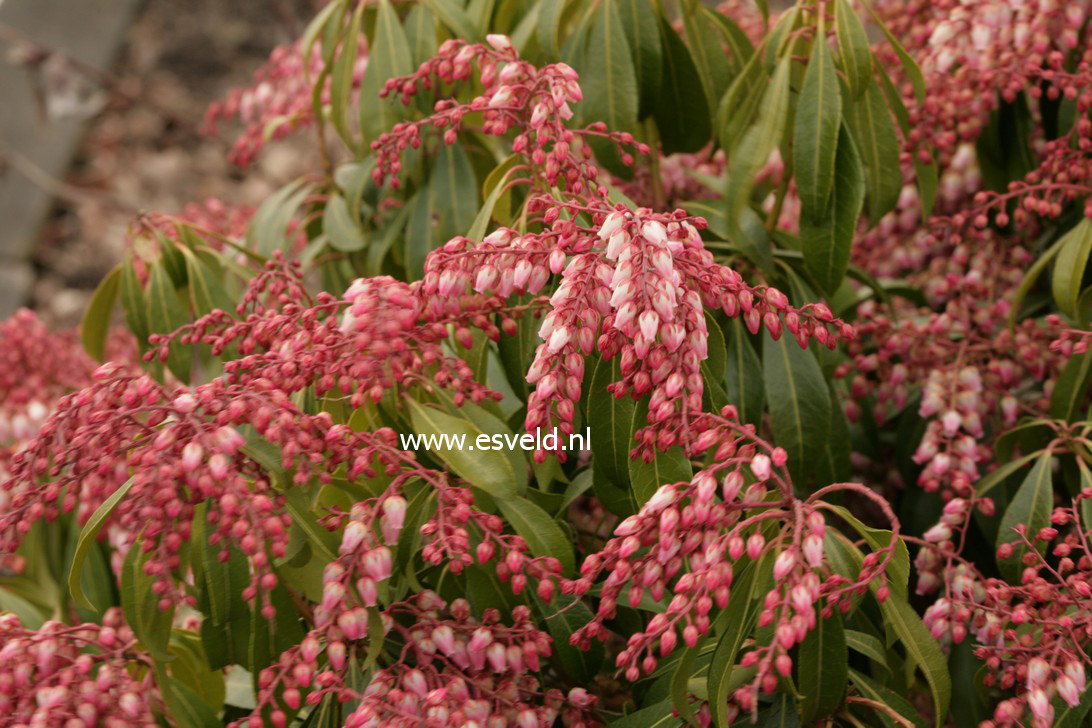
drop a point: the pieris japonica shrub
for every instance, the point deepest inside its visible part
(810, 282)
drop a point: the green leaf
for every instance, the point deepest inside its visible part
(455, 18)
(389, 57)
(666, 467)
(909, 65)
(682, 110)
(680, 680)
(706, 49)
(341, 225)
(660, 715)
(867, 645)
(186, 708)
(88, 535)
(149, 623)
(166, 315)
(799, 403)
(873, 131)
(740, 48)
(609, 84)
(1072, 716)
(901, 619)
(1070, 265)
(884, 695)
(782, 713)
(300, 508)
(1029, 507)
(757, 144)
(134, 304)
(269, 638)
(815, 136)
(824, 668)
(207, 291)
(828, 242)
(268, 228)
(489, 470)
(643, 37)
(1071, 388)
(898, 569)
(550, 12)
(96, 319)
(494, 190)
(541, 532)
(738, 619)
(743, 382)
(564, 615)
(452, 200)
(421, 32)
(853, 46)
(611, 421)
(740, 103)
(341, 80)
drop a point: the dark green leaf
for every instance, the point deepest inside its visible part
(781, 714)
(666, 467)
(643, 37)
(682, 110)
(455, 18)
(744, 385)
(389, 57)
(823, 668)
(134, 304)
(799, 403)
(267, 231)
(611, 419)
(1071, 388)
(870, 125)
(564, 615)
(815, 136)
(550, 12)
(609, 84)
(707, 51)
(880, 693)
(341, 80)
(166, 315)
(901, 619)
(828, 242)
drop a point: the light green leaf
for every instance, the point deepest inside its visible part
(495, 189)
(489, 470)
(267, 231)
(149, 623)
(757, 144)
(341, 80)
(1070, 265)
(1071, 388)
(96, 319)
(901, 619)
(815, 136)
(88, 535)
(389, 57)
(342, 225)
(550, 12)
(539, 530)
(1030, 507)
(455, 18)
(853, 46)
(867, 645)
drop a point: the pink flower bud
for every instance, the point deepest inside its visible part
(784, 563)
(353, 536)
(377, 563)
(813, 551)
(218, 466)
(755, 544)
(481, 639)
(192, 455)
(760, 466)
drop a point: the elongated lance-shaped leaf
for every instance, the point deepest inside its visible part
(873, 131)
(1070, 265)
(853, 46)
(828, 242)
(609, 84)
(1030, 509)
(815, 137)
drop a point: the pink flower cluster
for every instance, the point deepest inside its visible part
(280, 101)
(86, 674)
(456, 669)
(688, 542)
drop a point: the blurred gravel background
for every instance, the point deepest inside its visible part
(143, 150)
